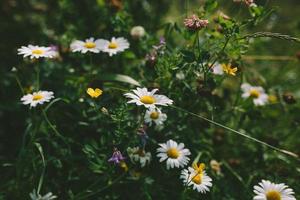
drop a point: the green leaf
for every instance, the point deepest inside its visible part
(119, 78)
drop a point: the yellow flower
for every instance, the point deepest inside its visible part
(94, 93)
(124, 166)
(272, 98)
(228, 69)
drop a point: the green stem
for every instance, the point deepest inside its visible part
(222, 50)
(239, 133)
(37, 78)
(78, 197)
(19, 84)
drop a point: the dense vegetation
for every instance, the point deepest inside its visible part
(63, 146)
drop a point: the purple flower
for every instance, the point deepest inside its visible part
(117, 157)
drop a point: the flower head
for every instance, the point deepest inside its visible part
(257, 93)
(174, 154)
(35, 52)
(117, 157)
(35, 196)
(155, 115)
(215, 166)
(139, 155)
(195, 23)
(228, 69)
(37, 98)
(89, 45)
(114, 46)
(267, 190)
(217, 69)
(94, 93)
(137, 32)
(141, 96)
(196, 176)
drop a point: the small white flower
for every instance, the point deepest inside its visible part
(137, 32)
(37, 98)
(196, 176)
(217, 69)
(155, 115)
(267, 190)
(35, 51)
(138, 155)
(174, 154)
(180, 75)
(114, 46)
(35, 196)
(90, 45)
(258, 94)
(141, 96)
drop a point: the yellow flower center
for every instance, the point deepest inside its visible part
(154, 115)
(197, 179)
(37, 51)
(173, 153)
(37, 97)
(147, 99)
(90, 45)
(112, 45)
(254, 93)
(273, 195)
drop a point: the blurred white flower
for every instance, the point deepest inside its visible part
(141, 96)
(35, 52)
(267, 190)
(39, 97)
(196, 176)
(89, 45)
(137, 32)
(35, 196)
(180, 76)
(138, 155)
(174, 154)
(155, 115)
(258, 94)
(114, 46)
(217, 69)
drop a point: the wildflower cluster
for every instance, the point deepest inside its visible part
(149, 108)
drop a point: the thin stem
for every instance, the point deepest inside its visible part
(54, 128)
(101, 189)
(19, 84)
(239, 133)
(222, 50)
(37, 77)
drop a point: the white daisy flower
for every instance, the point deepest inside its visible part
(37, 98)
(35, 51)
(217, 69)
(196, 176)
(155, 115)
(114, 46)
(174, 153)
(138, 155)
(90, 45)
(141, 96)
(258, 94)
(35, 196)
(267, 190)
